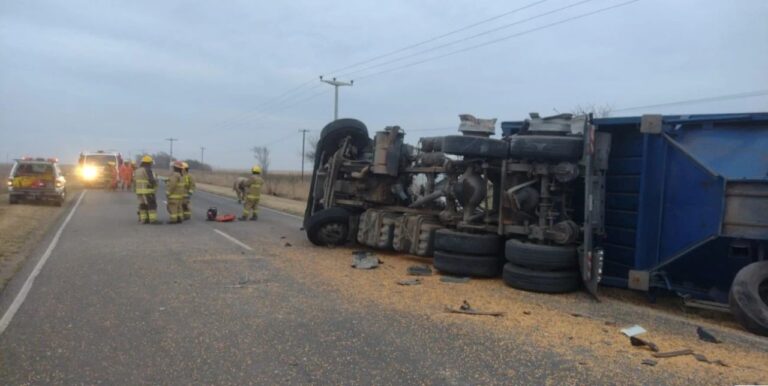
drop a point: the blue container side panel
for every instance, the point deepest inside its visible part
(693, 202)
(650, 201)
(734, 150)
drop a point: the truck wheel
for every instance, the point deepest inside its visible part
(12, 200)
(337, 130)
(550, 282)
(541, 257)
(467, 243)
(749, 297)
(545, 147)
(467, 265)
(475, 146)
(328, 227)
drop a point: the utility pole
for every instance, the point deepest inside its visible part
(303, 154)
(171, 140)
(336, 84)
(202, 155)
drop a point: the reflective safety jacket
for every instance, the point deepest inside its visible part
(253, 186)
(145, 180)
(175, 189)
(189, 183)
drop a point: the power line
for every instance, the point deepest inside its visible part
(742, 95)
(449, 33)
(483, 33)
(494, 41)
(281, 98)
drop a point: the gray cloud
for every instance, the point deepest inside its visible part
(83, 75)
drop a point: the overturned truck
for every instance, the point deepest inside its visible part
(552, 201)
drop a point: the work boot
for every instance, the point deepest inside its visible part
(254, 217)
(243, 218)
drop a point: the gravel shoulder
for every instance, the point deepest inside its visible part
(22, 226)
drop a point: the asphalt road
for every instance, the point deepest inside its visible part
(123, 303)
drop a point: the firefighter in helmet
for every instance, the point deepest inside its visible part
(146, 184)
(252, 195)
(189, 187)
(175, 192)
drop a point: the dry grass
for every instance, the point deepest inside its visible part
(280, 184)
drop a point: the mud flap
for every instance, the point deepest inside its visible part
(595, 162)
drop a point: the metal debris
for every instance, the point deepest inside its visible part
(672, 354)
(642, 342)
(364, 260)
(420, 270)
(454, 279)
(409, 282)
(649, 362)
(700, 357)
(633, 331)
(466, 309)
(707, 336)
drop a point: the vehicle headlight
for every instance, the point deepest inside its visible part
(90, 173)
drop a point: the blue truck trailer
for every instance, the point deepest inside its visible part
(686, 209)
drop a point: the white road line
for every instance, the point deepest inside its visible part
(22, 295)
(234, 240)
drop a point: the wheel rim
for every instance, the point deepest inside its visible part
(332, 233)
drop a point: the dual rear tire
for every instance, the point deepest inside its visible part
(541, 268)
(467, 254)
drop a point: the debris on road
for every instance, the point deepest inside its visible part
(466, 309)
(454, 279)
(633, 331)
(409, 282)
(364, 260)
(420, 270)
(649, 362)
(287, 244)
(635, 341)
(672, 354)
(706, 336)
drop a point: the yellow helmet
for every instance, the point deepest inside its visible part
(256, 169)
(147, 159)
(184, 165)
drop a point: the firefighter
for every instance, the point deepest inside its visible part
(146, 184)
(126, 174)
(252, 195)
(189, 186)
(175, 192)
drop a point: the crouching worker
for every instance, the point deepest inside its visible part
(175, 192)
(239, 188)
(252, 194)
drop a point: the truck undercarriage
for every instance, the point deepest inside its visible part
(462, 198)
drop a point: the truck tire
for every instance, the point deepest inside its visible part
(541, 257)
(12, 200)
(467, 265)
(749, 297)
(550, 282)
(337, 130)
(546, 147)
(328, 227)
(469, 146)
(467, 243)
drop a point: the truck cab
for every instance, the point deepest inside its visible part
(99, 168)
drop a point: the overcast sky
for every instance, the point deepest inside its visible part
(78, 75)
